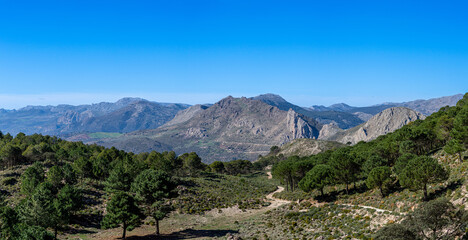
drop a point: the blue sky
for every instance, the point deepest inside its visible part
(309, 52)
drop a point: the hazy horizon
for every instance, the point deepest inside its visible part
(78, 99)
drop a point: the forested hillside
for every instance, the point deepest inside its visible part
(422, 164)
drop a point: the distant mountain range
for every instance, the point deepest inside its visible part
(125, 115)
(426, 107)
(232, 128)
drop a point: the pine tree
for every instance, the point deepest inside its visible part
(122, 209)
(153, 188)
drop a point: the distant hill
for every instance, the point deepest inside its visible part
(426, 107)
(125, 115)
(382, 123)
(233, 128)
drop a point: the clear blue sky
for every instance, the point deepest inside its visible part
(310, 52)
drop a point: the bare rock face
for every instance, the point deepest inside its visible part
(384, 122)
(388, 121)
(195, 132)
(298, 127)
(329, 130)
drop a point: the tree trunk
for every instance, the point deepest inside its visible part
(321, 191)
(124, 230)
(347, 189)
(55, 233)
(425, 192)
(157, 227)
(381, 192)
(459, 157)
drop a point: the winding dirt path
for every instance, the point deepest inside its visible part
(275, 202)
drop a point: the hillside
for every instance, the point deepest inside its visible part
(125, 115)
(382, 123)
(233, 128)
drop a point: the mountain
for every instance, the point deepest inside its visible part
(125, 115)
(382, 123)
(186, 114)
(343, 119)
(426, 107)
(233, 128)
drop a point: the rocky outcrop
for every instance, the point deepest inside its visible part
(384, 122)
(298, 127)
(329, 130)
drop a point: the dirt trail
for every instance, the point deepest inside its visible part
(366, 207)
(275, 202)
(282, 202)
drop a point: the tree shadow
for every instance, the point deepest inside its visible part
(442, 191)
(186, 234)
(332, 196)
(4, 193)
(327, 197)
(79, 231)
(358, 189)
(88, 220)
(12, 174)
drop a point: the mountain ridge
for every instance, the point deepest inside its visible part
(232, 128)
